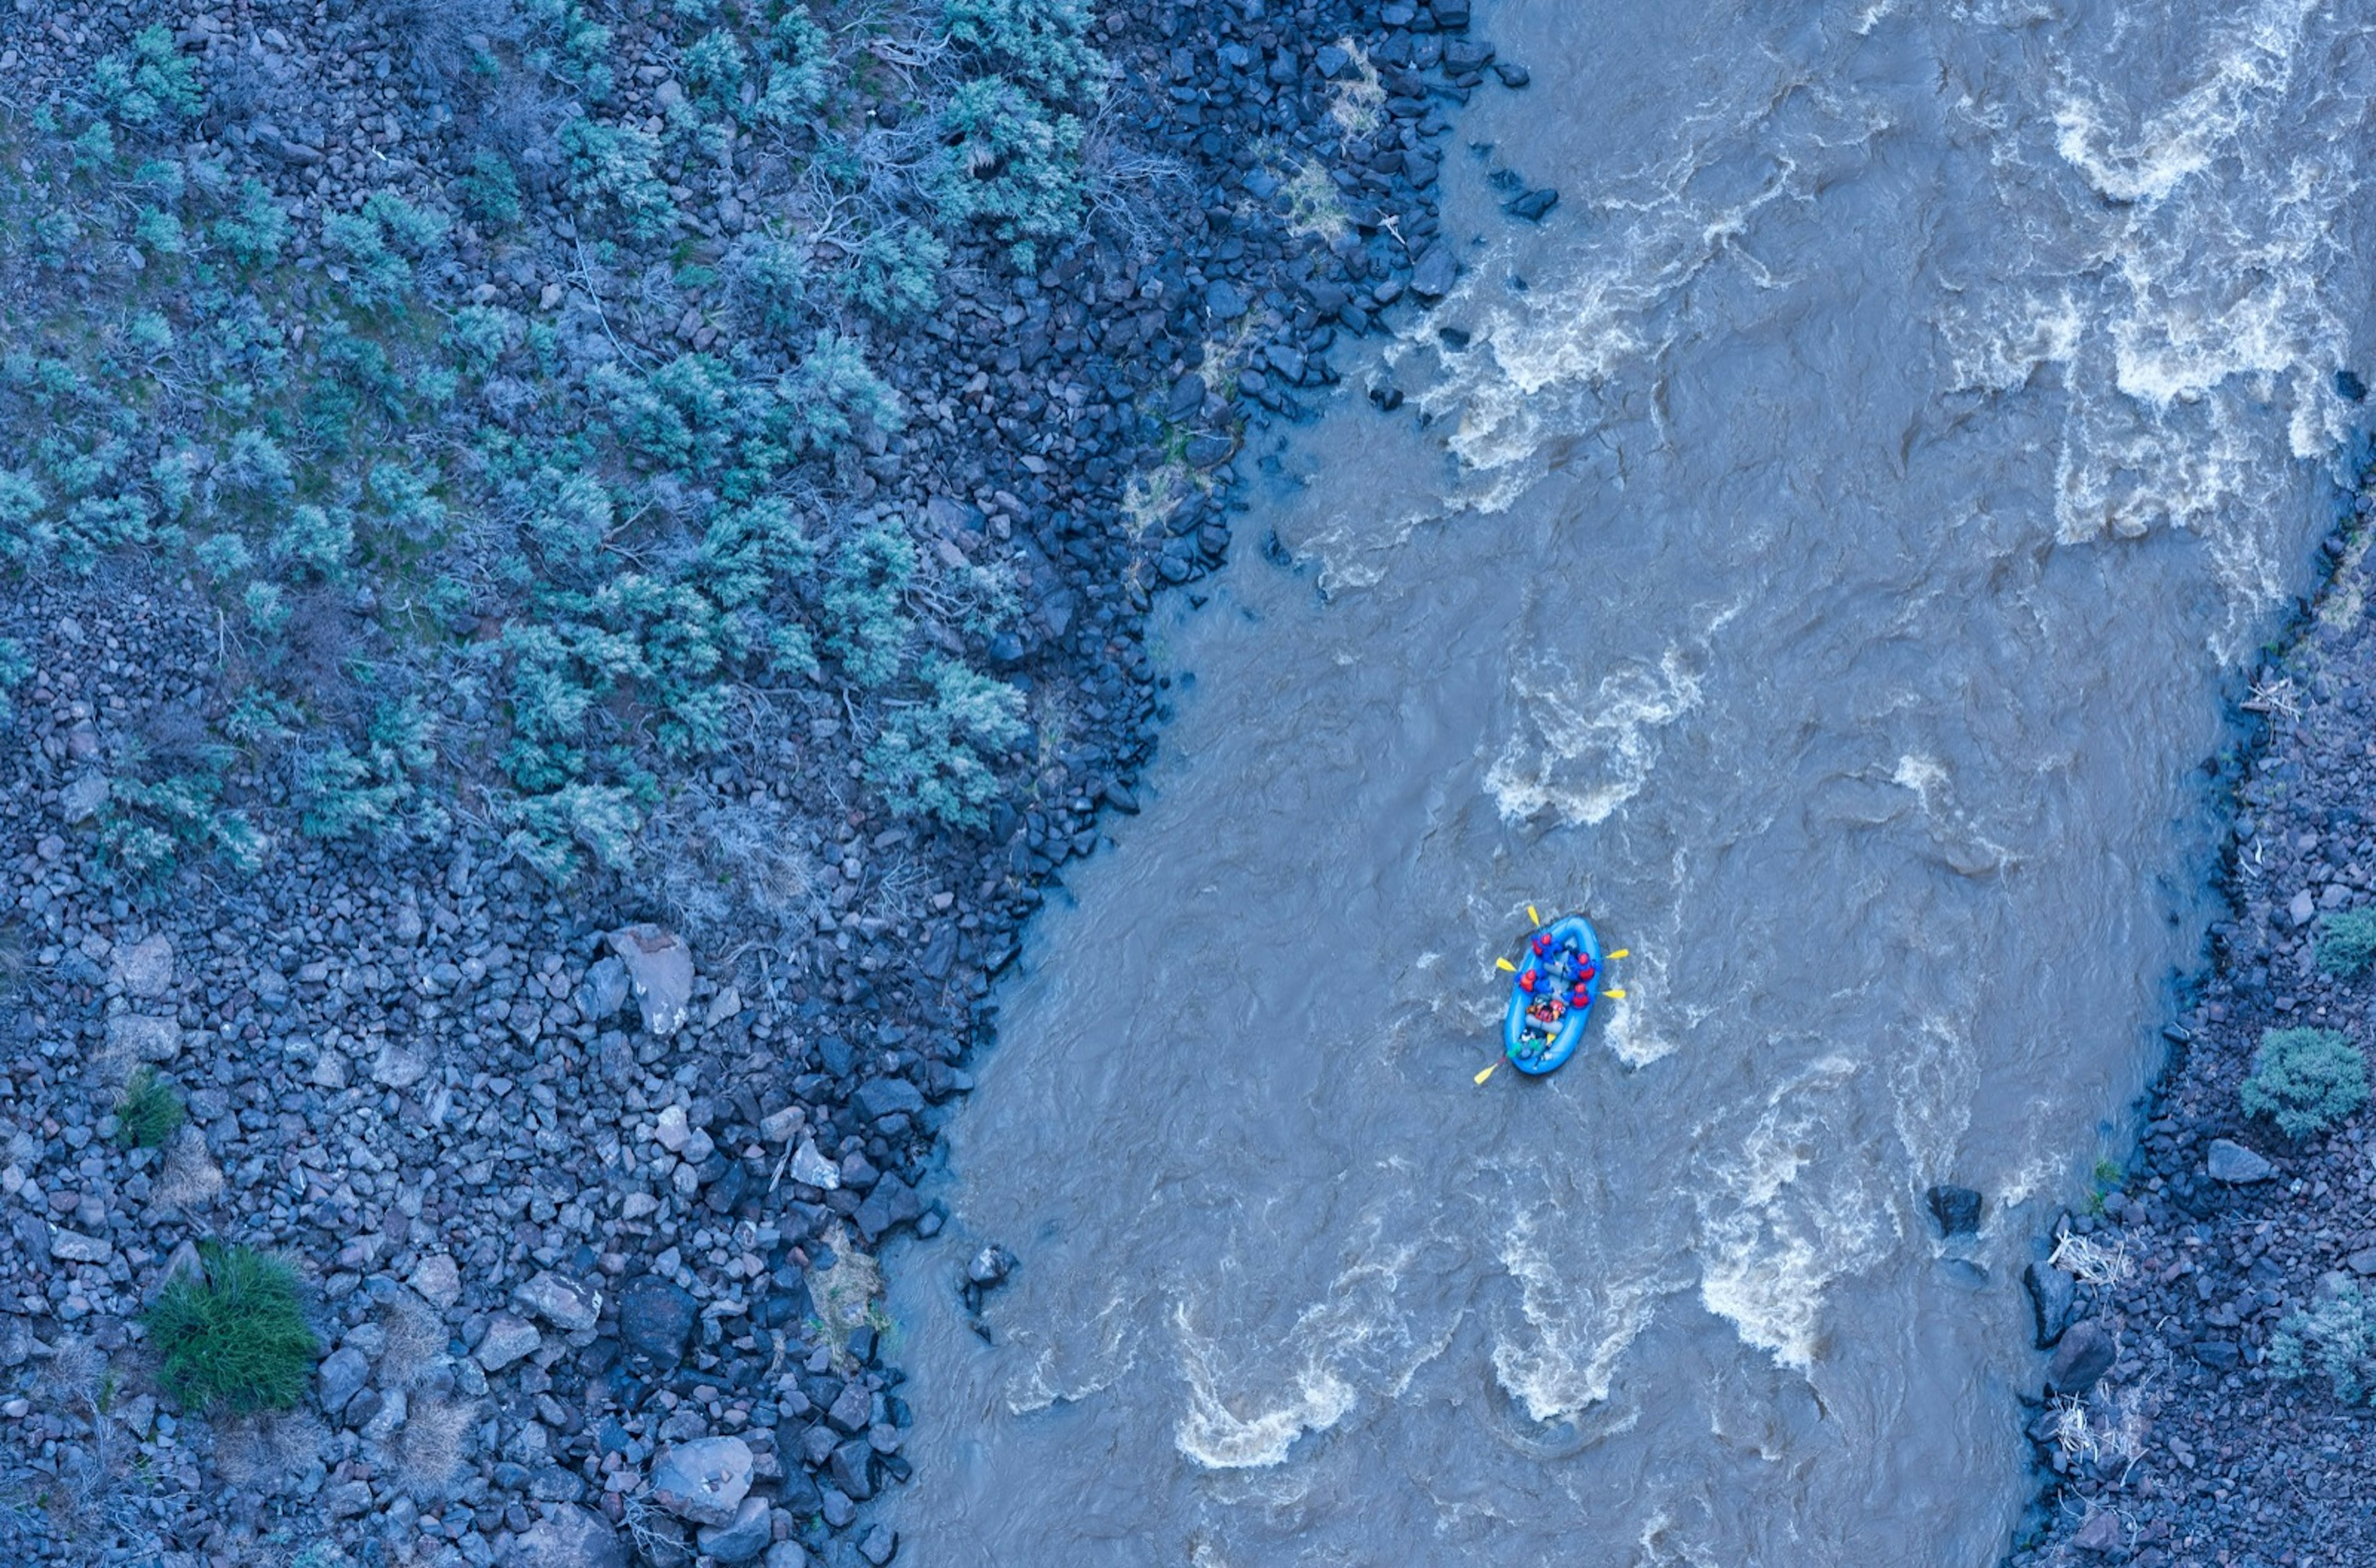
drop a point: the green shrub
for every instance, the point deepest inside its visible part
(2343, 1332)
(315, 540)
(1036, 42)
(929, 758)
(151, 85)
(149, 1112)
(772, 276)
(2307, 1080)
(490, 194)
(1007, 166)
(147, 829)
(551, 830)
(236, 1339)
(866, 626)
(341, 794)
(379, 246)
(253, 232)
(894, 273)
(613, 165)
(2347, 942)
(796, 51)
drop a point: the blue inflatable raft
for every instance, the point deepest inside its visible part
(1550, 997)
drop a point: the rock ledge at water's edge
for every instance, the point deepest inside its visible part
(2186, 1438)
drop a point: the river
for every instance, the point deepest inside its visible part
(1821, 564)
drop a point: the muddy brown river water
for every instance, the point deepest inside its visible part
(1821, 564)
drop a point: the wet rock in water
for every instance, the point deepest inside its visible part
(1530, 207)
(2349, 388)
(1512, 76)
(567, 1304)
(2081, 1359)
(989, 1267)
(703, 1481)
(879, 1545)
(1433, 277)
(660, 968)
(1957, 1210)
(745, 1537)
(2053, 1298)
(2231, 1162)
(508, 1338)
(1964, 1274)
(656, 1318)
(602, 992)
(569, 1536)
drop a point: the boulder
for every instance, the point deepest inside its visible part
(401, 1063)
(146, 968)
(744, 1538)
(80, 801)
(811, 1168)
(133, 1037)
(2053, 1297)
(2233, 1163)
(2100, 1531)
(2081, 1359)
(567, 1304)
(342, 1375)
(703, 1481)
(602, 992)
(656, 1318)
(879, 1545)
(660, 968)
(1433, 277)
(1957, 1209)
(569, 1536)
(508, 1338)
(437, 1281)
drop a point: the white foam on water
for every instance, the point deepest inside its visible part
(2185, 293)
(1251, 1399)
(1586, 750)
(1772, 1239)
(1933, 1076)
(1579, 1323)
(1094, 1355)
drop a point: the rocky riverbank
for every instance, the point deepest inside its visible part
(583, 1148)
(2206, 1353)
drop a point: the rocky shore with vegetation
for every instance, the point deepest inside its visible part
(2207, 1321)
(573, 568)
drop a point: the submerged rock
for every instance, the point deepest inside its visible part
(1957, 1210)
